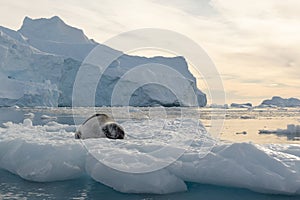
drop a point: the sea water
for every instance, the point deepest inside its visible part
(14, 187)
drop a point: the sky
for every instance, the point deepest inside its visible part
(255, 45)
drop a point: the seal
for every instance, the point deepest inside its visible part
(100, 126)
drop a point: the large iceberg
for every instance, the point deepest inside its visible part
(29, 77)
(55, 37)
(50, 153)
(40, 62)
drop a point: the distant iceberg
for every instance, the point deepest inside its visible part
(292, 132)
(241, 105)
(280, 102)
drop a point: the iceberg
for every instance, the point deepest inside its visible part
(29, 77)
(55, 37)
(50, 153)
(49, 51)
(280, 102)
(292, 132)
(242, 105)
(23, 93)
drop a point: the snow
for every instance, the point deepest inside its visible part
(40, 62)
(146, 161)
(280, 102)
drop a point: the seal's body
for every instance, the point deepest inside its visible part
(100, 126)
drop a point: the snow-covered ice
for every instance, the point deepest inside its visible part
(50, 153)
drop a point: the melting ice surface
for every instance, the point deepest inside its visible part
(146, 162)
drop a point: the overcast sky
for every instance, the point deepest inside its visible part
(255, 45)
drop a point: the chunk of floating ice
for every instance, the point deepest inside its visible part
(292, 131)
(15, 107)
(29, 115)
(246, 117)
(50, 153)
(48, 117)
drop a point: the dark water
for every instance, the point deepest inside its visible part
(14, 187)
(17, 116)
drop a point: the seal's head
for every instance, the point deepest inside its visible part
(113, 131)
(77, 135)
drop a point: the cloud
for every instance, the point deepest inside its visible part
(191, 7)
(255, 45)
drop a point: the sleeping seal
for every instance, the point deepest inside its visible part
(100, 126)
